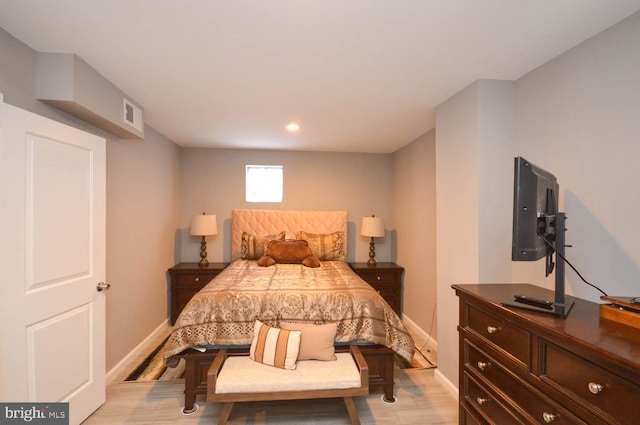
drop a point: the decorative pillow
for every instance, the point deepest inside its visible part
(253, 247)
(316, 342)
(290, 251)
(327, 246)
(274, 347)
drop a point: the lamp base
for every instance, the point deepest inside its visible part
(203, 253)
(372, 253)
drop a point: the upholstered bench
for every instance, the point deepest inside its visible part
(238, 378)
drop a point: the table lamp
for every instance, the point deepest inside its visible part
(372, 227)
(204, 225)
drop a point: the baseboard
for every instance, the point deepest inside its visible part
(149, 342)
(431, 344)
(446, 383)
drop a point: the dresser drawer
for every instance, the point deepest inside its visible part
(538, 408)
(386, 290)
(385, 278)
(390, 294)
(613, 395)
(195, 279)
(184, 296)
(511, 340)
(186, 280)
(486, 404)
(381, 276)
(467, 418)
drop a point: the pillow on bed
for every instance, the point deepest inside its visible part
(274, 347)
(254, 247)
(325, 246)
(290, 251)
(316, 342)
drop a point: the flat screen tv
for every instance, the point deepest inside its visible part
(538, 232)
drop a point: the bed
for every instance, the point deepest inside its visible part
(223, 313)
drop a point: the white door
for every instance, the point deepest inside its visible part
(52, 256)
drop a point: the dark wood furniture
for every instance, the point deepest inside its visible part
(386, 278)
(523, 367)
(186, 280)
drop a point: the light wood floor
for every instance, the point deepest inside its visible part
(420, 400)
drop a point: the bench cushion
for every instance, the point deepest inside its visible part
(239, 374)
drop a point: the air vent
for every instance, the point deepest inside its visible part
(132, 114)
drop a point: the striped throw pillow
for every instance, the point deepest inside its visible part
(275, 347)
(325, 246)
(253, 247)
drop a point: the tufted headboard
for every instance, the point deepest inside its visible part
(268, 222)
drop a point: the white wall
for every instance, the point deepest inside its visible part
(143, 196)
(474, 178)
(213, 181)
(143, 208)
(496, 132)
(578, 116)
(457, 215)
(414, 213)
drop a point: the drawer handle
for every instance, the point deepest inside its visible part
(492, 329)
(549, 417)
(482, 400)
(482, 365)
(378, 277)
(595, 388)
(378, 292)
(197, 279)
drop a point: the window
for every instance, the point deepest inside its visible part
(264, 183)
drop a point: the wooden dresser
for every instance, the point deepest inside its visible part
(523, 367)
(186, 280)
(386, 279)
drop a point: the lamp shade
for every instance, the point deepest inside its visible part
(372, 226)
(204, 225)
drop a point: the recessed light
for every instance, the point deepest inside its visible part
(293, 127)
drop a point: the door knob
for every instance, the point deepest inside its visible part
(103, 286)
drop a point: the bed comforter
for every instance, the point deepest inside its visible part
(224, 311)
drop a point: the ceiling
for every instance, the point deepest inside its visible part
(357, 75)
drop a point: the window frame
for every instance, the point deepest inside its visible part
(265, 187)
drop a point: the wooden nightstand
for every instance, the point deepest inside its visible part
(186, 280)
(386, 278)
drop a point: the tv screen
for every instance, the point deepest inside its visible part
(538, 231)
(535, 203)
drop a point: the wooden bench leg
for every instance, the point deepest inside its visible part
(351, 409)
(224, 413)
